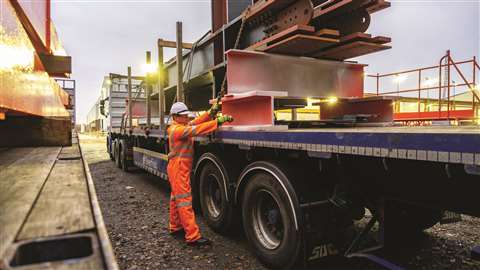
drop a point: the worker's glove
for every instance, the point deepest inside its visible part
(214, 109)
(224, 118)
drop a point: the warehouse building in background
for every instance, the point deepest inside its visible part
(110, 106)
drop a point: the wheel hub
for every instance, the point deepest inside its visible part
(267, 219)
(213, 196)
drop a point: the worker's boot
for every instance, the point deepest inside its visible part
(202, 241)
(178, 234)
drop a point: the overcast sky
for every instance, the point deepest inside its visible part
(106, 36)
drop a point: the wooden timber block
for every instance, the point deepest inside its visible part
(336, 8)
(377, 6)
(327, 33)
(296, 29)
(381, 40)
(300, 45)
(355, 36)
(359, 36)
(350, 50)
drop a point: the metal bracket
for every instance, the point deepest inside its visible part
(365, 253)
(356, 242)
(323, 155)
(244, 147)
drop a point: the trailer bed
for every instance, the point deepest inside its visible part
(426, 170)
(451, 144)
(436, 143)
(50, 216)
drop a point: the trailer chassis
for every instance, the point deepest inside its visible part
(319, 181)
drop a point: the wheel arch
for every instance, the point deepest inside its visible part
(210, 157)
(280, 176)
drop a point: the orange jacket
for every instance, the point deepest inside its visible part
(181, 136)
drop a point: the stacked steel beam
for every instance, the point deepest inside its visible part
(326, 29)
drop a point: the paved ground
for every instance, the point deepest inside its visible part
(135, 209)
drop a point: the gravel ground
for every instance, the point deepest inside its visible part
(135, 210)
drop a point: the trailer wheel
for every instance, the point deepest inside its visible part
(217, 211)
(110, 148)
(269, 222)
(123, 156)
(117, 149)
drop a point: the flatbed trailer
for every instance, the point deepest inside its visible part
(321, 180)
(299, 187)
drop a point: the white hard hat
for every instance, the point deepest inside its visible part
(179, 108)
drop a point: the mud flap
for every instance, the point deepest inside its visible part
(450, 217)
(325, 234)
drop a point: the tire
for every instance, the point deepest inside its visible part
(124, 164)
(269, 223)
(117, 153)
(217, 211)
(110, 149)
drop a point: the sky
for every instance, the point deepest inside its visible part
(106, 36)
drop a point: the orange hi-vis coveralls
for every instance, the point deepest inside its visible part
(179, 168)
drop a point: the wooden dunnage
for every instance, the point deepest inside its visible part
(296, 29)
(300, 45)
(350, 50)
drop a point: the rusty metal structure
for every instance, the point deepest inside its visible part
(330, 31)
(33, 106)
(299, 184)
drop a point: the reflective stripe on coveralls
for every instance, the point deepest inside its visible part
(179, 168)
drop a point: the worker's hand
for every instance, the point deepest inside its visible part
(214, 109)
(224, 118)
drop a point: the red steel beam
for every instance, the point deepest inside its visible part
(32, 33)
(48, 22)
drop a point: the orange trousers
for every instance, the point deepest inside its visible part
(181, 212)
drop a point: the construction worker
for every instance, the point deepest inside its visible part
(180, 135)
